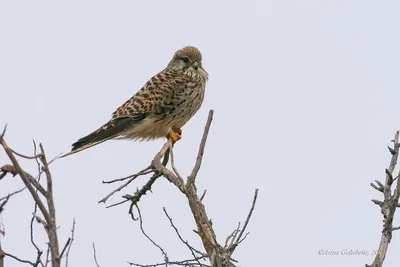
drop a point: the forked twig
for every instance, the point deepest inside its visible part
(192, 249)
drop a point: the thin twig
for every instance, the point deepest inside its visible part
(133, 177)
(148, 237)
(6, 198)
(117, 204)
(147, 187)
(24, 156)
(70, 244)
(4, 132)
(32, 231)
(203, 195)
(142, 172)
(94, 256)
(18, 259)
(1, 257)
(232, 236)
(248, 217)
(11, 169)
(65, 247)
(39, 251)
(185, 263)
(47, 254)
(196, 168)
(136, 197)
(192, 249)
(173, 165)
(51, 221)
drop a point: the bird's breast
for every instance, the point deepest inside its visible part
(188, 104)
(174, 113)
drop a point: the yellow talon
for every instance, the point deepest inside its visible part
(173, 136)
(178, 131)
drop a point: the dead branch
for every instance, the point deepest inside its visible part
(389, 204)
(94, 255)
(11, 169)
(6, 198)
(192, 249)
(34, 187)
(38, 250)
(145, 171)
(5, 254)
(70, 244)
(219, 256)
(240, 232)
(132, 177)
(185, 263)
(13, 193)
(139, 193)
(148, 237)
(1, 257)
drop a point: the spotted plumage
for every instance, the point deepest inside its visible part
(160, 108)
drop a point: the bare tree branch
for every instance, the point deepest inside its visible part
(51, 221)
(65, 247)
(185, 263)
(94, 256)
(26, 157)
(6, 198)
(3, 253)
(389, 204)
(156, 163)
(218, 255)
(139, 193)
(1, 257)
(192, 249)
(145, 171)
(196, 168)
(11, 169)
(34, 186)
(132, 177)
(173, 166)
(70, 244)
(203, 195)
(24, 178)
(238, 239)
(148, 237)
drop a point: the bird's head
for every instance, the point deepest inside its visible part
(188, 59)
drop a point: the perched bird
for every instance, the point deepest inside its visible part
(160, 108)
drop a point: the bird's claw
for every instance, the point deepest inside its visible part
(174, 135)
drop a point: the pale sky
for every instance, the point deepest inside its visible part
(306, 99)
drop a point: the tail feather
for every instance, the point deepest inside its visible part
(108, 131)
(77, 149)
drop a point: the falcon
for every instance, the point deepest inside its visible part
(160, 108)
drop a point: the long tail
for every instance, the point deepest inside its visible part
(79, 148)
(108, 131)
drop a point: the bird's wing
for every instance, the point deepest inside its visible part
(156, 96)
(153, 99)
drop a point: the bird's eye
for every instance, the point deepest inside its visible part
(185, 59)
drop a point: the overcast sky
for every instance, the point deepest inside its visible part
(306, 98)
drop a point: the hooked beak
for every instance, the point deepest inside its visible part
(196, 65)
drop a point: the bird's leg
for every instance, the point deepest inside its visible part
(178, 131)
(173, 136)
